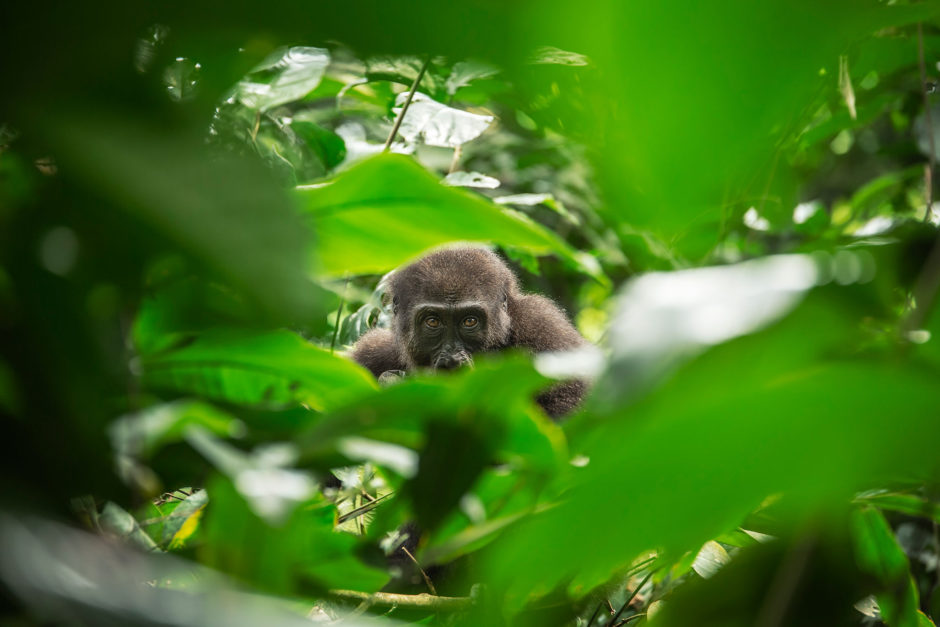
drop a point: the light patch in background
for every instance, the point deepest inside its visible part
(875, 226)
(586, 362)
(661, 312)
(804, 211)
(403, 461)
(755, 221)
(436, 123)
(58, 250)
(271, 491)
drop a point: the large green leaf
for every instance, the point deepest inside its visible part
(768, 413)
(388, 210)
(273, 368)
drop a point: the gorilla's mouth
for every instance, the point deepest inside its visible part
(452, 362)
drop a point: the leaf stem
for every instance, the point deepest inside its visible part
(424, 600)
(339, 312)
(404, 109)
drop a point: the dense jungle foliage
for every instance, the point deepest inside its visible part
(733, 201)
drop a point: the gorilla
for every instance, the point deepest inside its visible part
(457, 302)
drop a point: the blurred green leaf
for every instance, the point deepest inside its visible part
(223, 212)
(276, 368)
(878, 553)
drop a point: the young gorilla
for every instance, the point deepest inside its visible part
(456, 302)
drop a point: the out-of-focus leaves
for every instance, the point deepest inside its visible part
(710, 558)
(471, 179)
(387, 210)
(118, 522)
(439, 125)
(556, 56)
(66, 576)
(276, 368)
(302, 552)
(142, 433)
(785, 399)
(909, 504)
(221, 211)
(264, 479)
(878, 553)
(284, 76)
(326, 145)
(465, 72)
(180, 524)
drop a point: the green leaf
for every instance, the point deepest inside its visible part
(438, 125)
(223, 212)
(388, 209)
(181, 523)
(276, 368)
(466, 72)
(117, 521)
(143, 433)
(303, 551)
(878, 553)
(284, 76)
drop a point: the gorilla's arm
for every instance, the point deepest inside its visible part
(377, 351)
(540, 326)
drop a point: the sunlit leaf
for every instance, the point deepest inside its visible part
(285, 75)
(437, 124)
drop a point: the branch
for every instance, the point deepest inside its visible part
(404, 109)
(420, 601)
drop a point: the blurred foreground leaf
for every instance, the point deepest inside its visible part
(387, 210)
(223, 212)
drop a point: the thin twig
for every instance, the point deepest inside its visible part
(632, 596)
(425, 601)
(931, 158)
(339, 312)
(597, 611)
(427, 580)
(458, 151)
(404, 109)
(629, 619)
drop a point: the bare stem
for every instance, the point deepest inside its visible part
(339, 313)
(427, 580)
(404, 109)
(425, 601)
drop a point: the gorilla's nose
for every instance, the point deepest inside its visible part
(449, 362)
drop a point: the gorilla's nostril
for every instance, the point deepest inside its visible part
(450, 362)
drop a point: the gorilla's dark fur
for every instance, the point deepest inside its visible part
(456, 302)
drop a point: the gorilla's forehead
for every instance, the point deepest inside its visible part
(454, 276)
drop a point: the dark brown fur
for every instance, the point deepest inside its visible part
(514, 319)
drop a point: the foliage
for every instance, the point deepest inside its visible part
(198, 205)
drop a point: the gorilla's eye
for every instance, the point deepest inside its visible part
(470, 321)
(432, 322)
